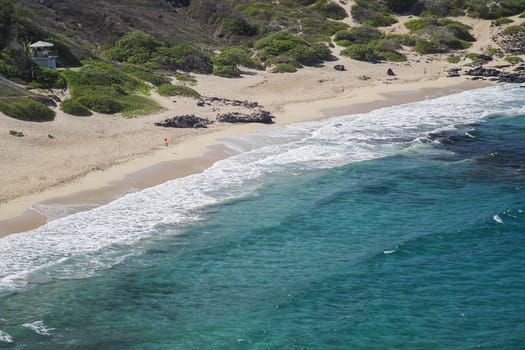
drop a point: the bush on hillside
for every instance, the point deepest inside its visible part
(47, 78)
(358, 35)
(101, 103)
(185, 57)
(329, 9)
(27, 109)
(177, 90)
(238, 26)
(291, 46)
(226, 71)
(372, 13)
(284, 68)
(136, 47)
(513, 59)
(73, 107)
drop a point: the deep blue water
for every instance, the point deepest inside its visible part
(403, 228)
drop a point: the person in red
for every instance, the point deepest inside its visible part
(166, 141)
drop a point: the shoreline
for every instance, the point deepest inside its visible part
(193, 154)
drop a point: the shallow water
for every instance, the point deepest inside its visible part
(401, 228)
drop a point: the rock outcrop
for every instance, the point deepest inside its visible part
(256, 117)
(497, 75)
(185, 121)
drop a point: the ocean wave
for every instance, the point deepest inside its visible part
(39, 328)
(5, 337)
(81, 244)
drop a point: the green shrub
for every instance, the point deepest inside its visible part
(329, 9)
(233, 56)
(184, 57)
(372, 13)
(495, 9)
(358, 35)
(475, 57)
(513, 59)
(101, 103)
(96, 76)
(513, 30)
(362, 52)
(47, 78)
(177, 90)
(136, 47)
(73, 107)
(27, 109)
(424, 46)
(238, 26)
(227, 71)
(320, 29)
(392, 56)
(185, 77)
(284, 68)
(133, 105)
(453, 59)
(291, 46)
(145, 74)
(502, 21)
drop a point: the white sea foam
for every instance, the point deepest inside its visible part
(81, 244)
(497, 218)
(5, 337)
(39, 327)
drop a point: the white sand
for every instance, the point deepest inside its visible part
(97, 152)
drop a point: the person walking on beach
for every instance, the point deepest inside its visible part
(166, 141)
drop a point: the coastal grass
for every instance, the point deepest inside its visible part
(26, 109)
(453, 59)
(177, 90)
(73, 107)
(513, 59)
(109, 89)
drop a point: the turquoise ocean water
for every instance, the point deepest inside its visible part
(403, 228)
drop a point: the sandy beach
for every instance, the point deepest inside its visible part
(87, 161)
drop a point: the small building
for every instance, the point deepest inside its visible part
(41, 54)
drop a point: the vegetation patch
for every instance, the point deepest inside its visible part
(329, 9)
(435, 35)
(513, 59)
(73, 107)
(27, 109)
(136, 47)
(453, 59)
(184, 57)
(370, 45)
(476, 58)
(372, 13)
(177, 90)
(292, 47)
(238, 26)
(47, 78)
(284, 68)
(109, 89)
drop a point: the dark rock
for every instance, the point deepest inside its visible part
(236, 103)
(256, 117)
(185, 121)
(485, 57)
(502, 77)
(483, 72)
(339, 67)
(200, 103)
(452, 73)
(50, 136)
(390, 72)
(16, 133)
